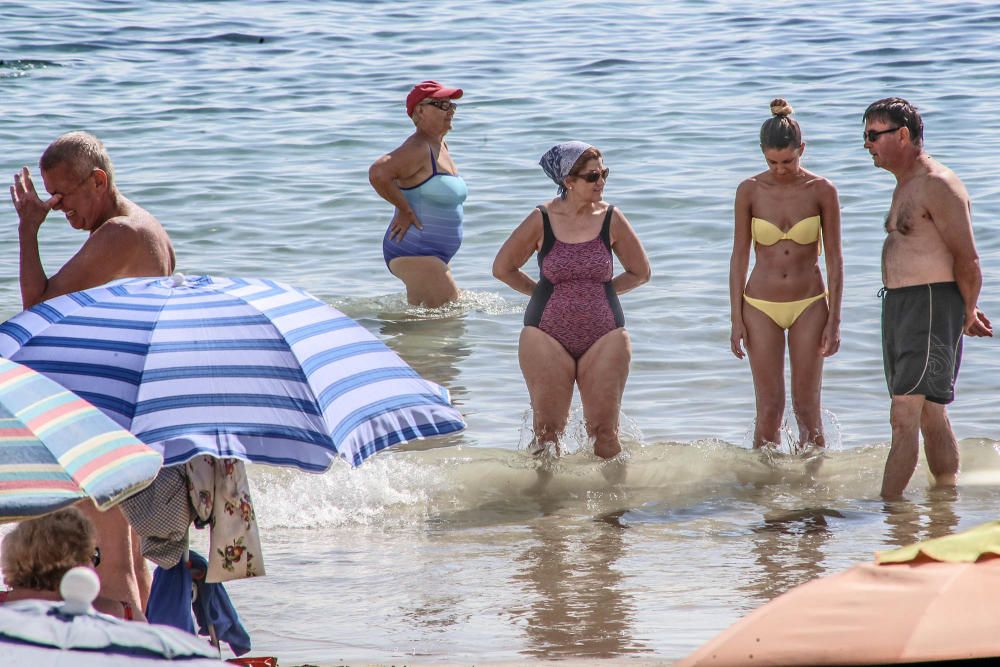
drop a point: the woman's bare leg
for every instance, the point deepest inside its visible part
(601, 375)
(807, 372)
(549, 371)
(765, 344)
(428, 280)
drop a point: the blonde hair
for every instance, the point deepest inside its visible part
(38, 552)
(82, 152)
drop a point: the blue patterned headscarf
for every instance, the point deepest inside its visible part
(559, 160)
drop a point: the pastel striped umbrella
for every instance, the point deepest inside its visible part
(230, 367)
(56, 448)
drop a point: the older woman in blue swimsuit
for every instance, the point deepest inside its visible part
(420, 179)
(788, 215)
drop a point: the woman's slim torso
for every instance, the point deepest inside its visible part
(785, 271)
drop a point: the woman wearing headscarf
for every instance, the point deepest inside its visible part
(574, 329)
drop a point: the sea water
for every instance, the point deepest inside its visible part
(248, 128)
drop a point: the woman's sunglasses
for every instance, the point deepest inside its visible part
(592, 176)
(96, 558)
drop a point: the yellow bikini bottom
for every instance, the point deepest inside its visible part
(784, 313)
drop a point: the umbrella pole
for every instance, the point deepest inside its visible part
(214, 638)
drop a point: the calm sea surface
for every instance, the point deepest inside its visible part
(248, 128)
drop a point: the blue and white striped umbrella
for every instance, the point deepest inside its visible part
(230, 367)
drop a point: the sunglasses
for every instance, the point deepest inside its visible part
(872, 135)
(443, 105)
(592, 176)
(96, 558)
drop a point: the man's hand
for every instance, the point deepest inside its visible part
(400, 223)
(977, 324)
(31, 210)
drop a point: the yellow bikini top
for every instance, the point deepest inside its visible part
(803, 232)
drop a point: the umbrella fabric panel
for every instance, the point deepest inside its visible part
(870, 614)
(374, 396)
(232, 367)
(272, 446)
(376, 399)
(21, 655)
(100, 358)
(56, 448)
(40, 626)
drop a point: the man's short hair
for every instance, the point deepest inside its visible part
(82, 152)
(899, 112)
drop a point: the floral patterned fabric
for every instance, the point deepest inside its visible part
(220, 497)
(211, 492)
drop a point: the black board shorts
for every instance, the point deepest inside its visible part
(922, 327)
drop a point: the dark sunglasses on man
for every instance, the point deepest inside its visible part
(872, 135)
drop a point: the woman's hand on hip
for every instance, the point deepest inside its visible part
(400, 223)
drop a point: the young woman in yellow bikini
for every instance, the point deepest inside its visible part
(790, 216)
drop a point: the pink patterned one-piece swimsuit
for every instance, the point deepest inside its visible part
(574, 301)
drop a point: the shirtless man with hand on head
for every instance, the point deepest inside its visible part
(125, 241)
(932, 278)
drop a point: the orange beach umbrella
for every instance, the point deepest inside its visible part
(937, 600)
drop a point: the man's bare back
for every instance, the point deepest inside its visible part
(139, 242)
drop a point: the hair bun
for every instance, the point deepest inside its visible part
(780, 107)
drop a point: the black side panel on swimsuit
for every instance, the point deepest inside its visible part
(609, 290)
(922, 340)
(543, 288)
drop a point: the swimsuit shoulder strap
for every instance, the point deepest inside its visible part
(548, 236)
(606, 227)
(434, 168)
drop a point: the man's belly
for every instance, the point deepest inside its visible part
(907, 263)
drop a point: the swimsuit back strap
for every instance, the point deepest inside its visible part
(434, 169)
(606, 227)
(548, 236)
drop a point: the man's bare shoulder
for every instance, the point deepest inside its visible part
(139, 240)
(940, 181)
(138, 222)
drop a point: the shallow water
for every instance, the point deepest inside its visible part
(248, 129)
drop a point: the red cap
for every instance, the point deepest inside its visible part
(432, 89)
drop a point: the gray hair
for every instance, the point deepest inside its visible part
(82, 152)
